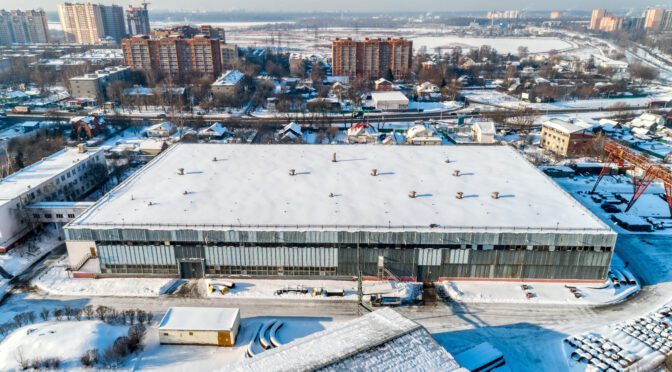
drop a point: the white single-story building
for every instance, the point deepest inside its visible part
(389, 101)
(483, 132)
(200, 326)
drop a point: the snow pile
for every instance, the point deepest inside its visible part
(67, 341)
(58, 281)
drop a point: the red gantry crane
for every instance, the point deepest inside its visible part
(619, 154)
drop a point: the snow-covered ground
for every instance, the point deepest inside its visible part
(500, 99)
(207, 358)
(266, 288)
(542, 293)
(21, 257)
(64, 340)
(56, 280)
(650, 205)
(423, 36)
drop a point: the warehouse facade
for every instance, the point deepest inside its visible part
(131, 236)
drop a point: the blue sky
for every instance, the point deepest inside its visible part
(359, 5)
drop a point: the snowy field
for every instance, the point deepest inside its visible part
(430, 37)
(501, 44)
(56, 280)
(503, 100)
(65, 340)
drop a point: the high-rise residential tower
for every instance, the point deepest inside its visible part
(23, 27)
(137, 19)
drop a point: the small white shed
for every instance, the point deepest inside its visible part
(395, 100)
(200, 326)
(483, 132)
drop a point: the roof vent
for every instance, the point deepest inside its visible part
(456, 173)
(447, 160)
(214, 159)
(333, 158)
(331, 194)
(185, 192)
(292, 172)
(412, 194)
(374, 172)
(180, 171)
(495, 194)
(459, 195)
(150, 204)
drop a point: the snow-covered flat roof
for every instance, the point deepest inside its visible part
(393, 96)
(566, 126)
(379, 341)
(200, 319)
(34, 175)
(241, 187)
(231, 77)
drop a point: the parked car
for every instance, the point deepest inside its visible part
(610, 208)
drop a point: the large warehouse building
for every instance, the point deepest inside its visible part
(438, 212)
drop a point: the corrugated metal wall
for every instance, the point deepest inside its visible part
(415, 262)
(136, 255)
(271, 256)
(409, 238)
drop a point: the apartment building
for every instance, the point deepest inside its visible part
(93, 86)
(137, 19)
(653, 18)
(596, 18)
(23, 27)
(174, 56)
(611, 24)
(372, 58)
(601, 20)
(90, 23)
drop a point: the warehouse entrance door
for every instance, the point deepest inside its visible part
(192, 269)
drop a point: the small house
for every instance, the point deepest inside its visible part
(200, 326)
(483, 132)
(215, 131)
(422, 135)
(383, 85)
(427, 89)
(87, 126)
(290, 132)
(362, 133)
(165, 129)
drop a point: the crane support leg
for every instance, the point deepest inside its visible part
(605, 169)
(668, 196)
(642, 185)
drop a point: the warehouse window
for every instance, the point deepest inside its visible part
(191, 333)
(165, 333)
